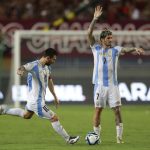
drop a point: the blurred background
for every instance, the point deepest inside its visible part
(72, 72)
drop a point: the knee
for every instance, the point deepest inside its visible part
(27, 116)
(54, 118)
(98, 110)
(117, 110)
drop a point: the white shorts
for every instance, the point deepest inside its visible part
(103, 94)
(40, 110)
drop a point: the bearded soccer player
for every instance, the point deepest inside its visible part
(105, 75)
(39, 77)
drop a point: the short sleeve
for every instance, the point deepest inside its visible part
(49, 70)
(29, 66)
(118, 48)
(95, 47)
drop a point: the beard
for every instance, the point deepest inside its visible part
(108, 45)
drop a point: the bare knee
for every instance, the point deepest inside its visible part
(54, 118)
(117, 110)
(28, 115)
(98, 110)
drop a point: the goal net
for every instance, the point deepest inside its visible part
(74, 51)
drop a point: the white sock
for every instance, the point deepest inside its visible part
(60, 130)
(119, 130)
(15, 111)
(97, 130)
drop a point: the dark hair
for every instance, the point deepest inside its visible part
(105, 33)
(50, 52)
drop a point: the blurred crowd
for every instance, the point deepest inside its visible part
(54, 9)
(127, 9)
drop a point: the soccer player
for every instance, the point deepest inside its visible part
(105, 75)
(39, 77)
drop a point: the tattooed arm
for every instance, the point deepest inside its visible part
(132, 49)
(97, 14)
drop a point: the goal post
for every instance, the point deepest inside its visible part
(66, 41)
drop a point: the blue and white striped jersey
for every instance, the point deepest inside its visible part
(37, 81)
(105, 65)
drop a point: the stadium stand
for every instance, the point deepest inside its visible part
(51, 10)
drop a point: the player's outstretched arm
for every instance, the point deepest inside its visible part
(138, 51)
(51, 88)
(21, 70)
(97, 14)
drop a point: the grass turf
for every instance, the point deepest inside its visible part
(37, 134)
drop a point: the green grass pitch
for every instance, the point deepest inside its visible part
(37, 134)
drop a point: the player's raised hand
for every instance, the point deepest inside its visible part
(139, 51)
(21, 71)
(98, 12)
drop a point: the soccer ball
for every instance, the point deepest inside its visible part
(92, 138)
